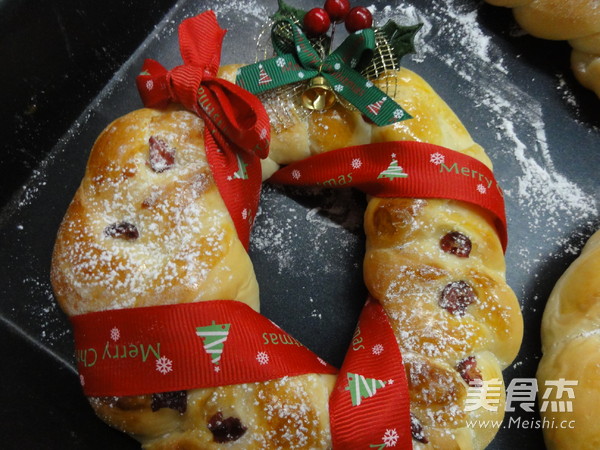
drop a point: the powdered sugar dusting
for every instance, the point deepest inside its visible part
(550, 201)
(334, 225)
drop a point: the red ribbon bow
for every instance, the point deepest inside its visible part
(236, 130)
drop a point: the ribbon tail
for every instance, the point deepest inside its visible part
(366, 97)
(152, 85)
(238, 176)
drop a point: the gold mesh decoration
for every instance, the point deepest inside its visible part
(283, 105)
(382, 64)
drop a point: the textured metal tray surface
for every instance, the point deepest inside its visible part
(513, 92)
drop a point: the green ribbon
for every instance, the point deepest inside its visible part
(338, 69)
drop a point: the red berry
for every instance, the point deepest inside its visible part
(337, 9)
(358, 18)
(316, 22)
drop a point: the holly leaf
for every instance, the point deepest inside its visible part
(287, 12)
(400, 38)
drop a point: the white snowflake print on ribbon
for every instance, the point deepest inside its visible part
(390, 381)
(437, 159)
(280, 62)
(377, 349)
(296, 174)
(263, 133)
(149, 85)
(115, 334)
(398, 114)
(164, 365)
(300, 75)
(82, 380)
(217, 369)
(244, 214)
(368, 84)
(337, 66)
(390, 437)
(356, 163)
(262, 358)
(481, 189)
(338, 88)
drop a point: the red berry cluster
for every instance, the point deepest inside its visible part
(318, 20)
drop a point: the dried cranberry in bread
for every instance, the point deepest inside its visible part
(571, 352)
(148, 227)
(436, 266)
(577, 21)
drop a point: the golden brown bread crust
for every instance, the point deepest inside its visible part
(187, 246)
(571, 351)
(577, 21)
(406, 268)
(179, 245)
(277, 414)
(407, 271)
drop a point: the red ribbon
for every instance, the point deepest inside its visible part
(237, 128)
(370, 405)
(184, 346)
(406, 169)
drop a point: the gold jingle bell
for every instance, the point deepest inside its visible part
(318, 95)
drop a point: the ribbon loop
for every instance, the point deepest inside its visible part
(200, 42)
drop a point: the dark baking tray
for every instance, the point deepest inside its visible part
(513, 92)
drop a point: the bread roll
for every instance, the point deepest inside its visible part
(148, 227)
(577, 21)
(410, 266)
(571, 351)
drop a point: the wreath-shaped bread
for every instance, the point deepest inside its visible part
(148, 227)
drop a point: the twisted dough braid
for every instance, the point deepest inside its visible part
(571, 343)
(410, 270)
(146, 229)
(577, 21)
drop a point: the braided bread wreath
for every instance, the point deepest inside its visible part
(577, 21)
(148, 234)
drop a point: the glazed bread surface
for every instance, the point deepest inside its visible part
(571, 351)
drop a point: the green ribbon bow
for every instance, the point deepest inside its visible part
(338, 69)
